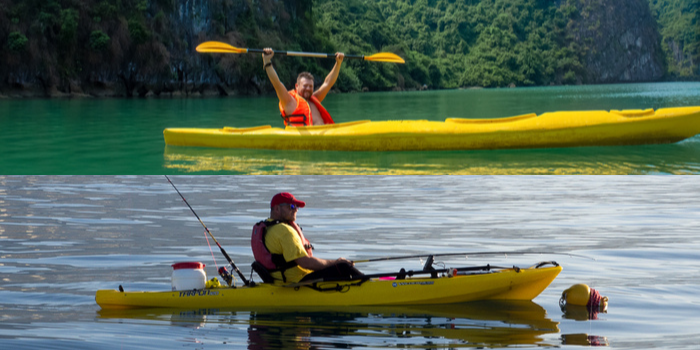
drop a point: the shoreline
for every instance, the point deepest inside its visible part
(220, 92)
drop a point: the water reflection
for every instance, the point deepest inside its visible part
(584, 339)
(487, 324)
(581, 312)
(678, 158)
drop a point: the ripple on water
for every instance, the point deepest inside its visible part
(641, 231)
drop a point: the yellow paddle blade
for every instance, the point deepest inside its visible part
(385, 57)
(218, 47)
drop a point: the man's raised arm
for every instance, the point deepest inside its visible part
(322, 91)
(289, 103)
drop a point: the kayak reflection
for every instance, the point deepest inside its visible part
(484, 323)
(678, 158)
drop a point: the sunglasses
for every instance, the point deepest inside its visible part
(292, 206)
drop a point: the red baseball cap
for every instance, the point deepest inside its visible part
(286, 197)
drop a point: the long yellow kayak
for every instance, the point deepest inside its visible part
(556, 129)
(494, 284)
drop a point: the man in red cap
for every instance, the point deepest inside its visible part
(280, 246)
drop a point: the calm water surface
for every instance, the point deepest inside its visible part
(63, 238)
(125, 136)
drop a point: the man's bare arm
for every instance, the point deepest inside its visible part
(328, 83)
(289, 103)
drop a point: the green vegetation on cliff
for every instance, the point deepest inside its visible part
(69, 43)
(450, 44)
(679, 24)
(128, 47)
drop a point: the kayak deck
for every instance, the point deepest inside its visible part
(498, 284)
(555, 129)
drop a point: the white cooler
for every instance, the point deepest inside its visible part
(188, 276)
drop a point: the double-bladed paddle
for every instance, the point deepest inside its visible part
(219, 47)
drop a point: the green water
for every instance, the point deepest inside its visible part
(124, 136)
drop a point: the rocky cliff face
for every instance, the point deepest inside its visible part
(683, 62)
(619, 40)
(137, 47)
(150, 51)
(679, 24)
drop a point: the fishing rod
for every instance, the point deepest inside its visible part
(233, 266)
(467, 254)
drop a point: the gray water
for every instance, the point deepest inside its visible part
(63, 238)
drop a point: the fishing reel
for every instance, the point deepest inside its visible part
(223, 272)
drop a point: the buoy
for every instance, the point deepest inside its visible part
(582, 295)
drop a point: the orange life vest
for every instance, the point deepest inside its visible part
(302, 114)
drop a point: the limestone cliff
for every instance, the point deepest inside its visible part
(139, 47)
(618, 39)
(146, 47)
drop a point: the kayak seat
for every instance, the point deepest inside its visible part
(328, 126)
(490, 120)
(244, 130)
(263, 272)
(631, 113)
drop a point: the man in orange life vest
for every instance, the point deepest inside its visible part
(279, 244)
(302, 106)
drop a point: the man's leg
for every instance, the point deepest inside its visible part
(343, 271)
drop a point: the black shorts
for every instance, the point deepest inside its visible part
(342, 271)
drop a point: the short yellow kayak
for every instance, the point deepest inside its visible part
(494, 284)
(556, 129)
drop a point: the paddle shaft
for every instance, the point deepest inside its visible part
(465, 254)
(245, 281)
(306, 54)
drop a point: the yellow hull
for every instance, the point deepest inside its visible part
(556, 129)
(508, 284)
